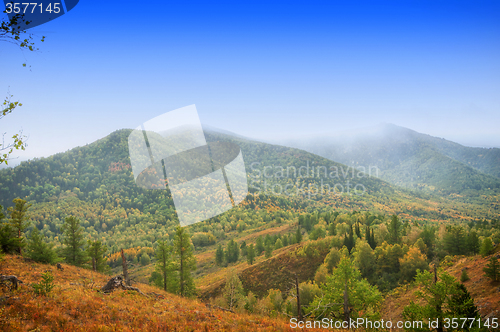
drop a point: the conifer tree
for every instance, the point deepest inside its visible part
(18, 218)
(349, 239)
(40, 251)
(332, 229)
(492, 269)
(462, 305)
(372, 242)
(9, 242)
(486, 247)
(269, 250)
(250, 254)
(96, 251)
(232, 252)
(233, 291)
(394, 230)
(464, 276)
(346, 295)
(439, 298)
(259, 246)
(298, 235)
(185, 262)
(473, 242)
(73, 251)
(164, 267)
(219, 255)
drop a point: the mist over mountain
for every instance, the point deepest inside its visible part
(411, 159)
(95, 183)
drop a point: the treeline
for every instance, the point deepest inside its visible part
(263, 245)
(74, 249)
(388, 251)
(371, 255)
(345, 294)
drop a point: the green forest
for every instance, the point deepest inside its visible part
(83, 208)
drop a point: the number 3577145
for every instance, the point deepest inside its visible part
(32, 7)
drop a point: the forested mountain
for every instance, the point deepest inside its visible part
(289, 226)
(95, 184)
(413, 160)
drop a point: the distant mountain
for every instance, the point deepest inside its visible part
(412, 160)
(95, 184)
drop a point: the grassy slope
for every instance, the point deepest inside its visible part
(76, 305)
(275, 272)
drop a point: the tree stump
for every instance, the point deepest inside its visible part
(117, 283)
(13, 279)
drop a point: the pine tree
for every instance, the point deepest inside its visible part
(9, 243)
(349, 240)
(40, 251)
(462, 305)
(372, 242)
(346, 286)
(186, 262)
(259, 246)
(455, 242)
(232, 252)
(367, 235)
(473, 243)
(250, 254)
(332, 229)
(243, 248)
(219, 255)
(18, 218)
(233, 291)
(73, 251)
(164, 267)
(285, 240)
(298, 235)
(486, 247)
(464, 276)
(96, 251)
(394, 230)
(439, 298)
(269, 250)
(492, 269)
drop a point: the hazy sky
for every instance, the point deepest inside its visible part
(260, 69)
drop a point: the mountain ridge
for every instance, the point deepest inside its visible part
(399, 151)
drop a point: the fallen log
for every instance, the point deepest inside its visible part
(13, 279)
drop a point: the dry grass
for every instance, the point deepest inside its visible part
(75, 304)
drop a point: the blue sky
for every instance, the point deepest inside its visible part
(267, 70)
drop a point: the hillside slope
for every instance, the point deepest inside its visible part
(75, 304)
(95, 184)
(276, 272)
(485, 293)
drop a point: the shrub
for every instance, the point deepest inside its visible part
(464, 277)
(46, 285)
